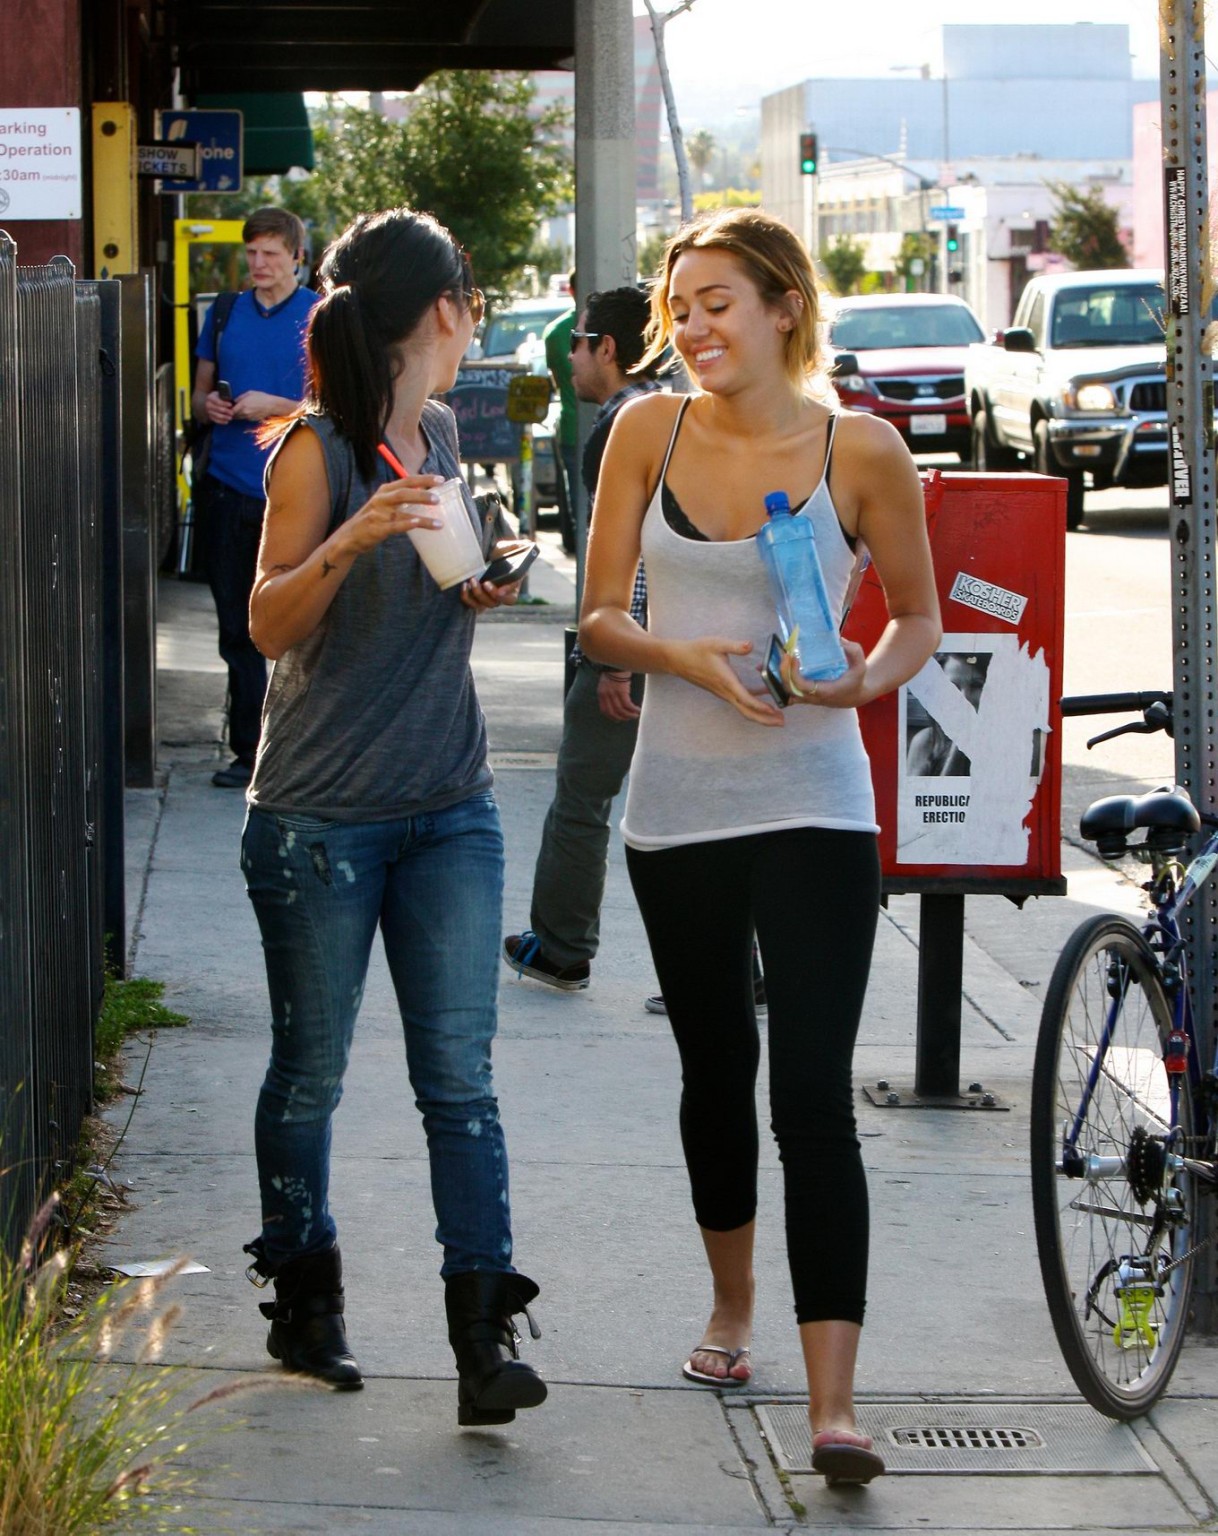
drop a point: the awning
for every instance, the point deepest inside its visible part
(275, 128)
(357, 45)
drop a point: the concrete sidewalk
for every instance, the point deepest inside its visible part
(958, 1334)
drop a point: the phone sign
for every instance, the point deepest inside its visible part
(218, 135)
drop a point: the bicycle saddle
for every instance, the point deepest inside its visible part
(1162, 811)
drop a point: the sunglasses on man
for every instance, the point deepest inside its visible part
(578, 336)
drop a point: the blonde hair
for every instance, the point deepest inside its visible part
(776, 262)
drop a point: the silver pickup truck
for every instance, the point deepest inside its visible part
(1075, 386)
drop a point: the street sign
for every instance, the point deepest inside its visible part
(183, 161)
(528, 397)
(947, 211)
(218, 135)
(40, 166)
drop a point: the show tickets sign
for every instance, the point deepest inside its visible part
(40, 169)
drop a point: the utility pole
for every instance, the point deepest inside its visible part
(1190, 420)
(659, 20)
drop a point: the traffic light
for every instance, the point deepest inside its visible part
(953, 238)
(807, 154)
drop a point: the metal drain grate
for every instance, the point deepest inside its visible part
(979, 1439)
(966, 1437)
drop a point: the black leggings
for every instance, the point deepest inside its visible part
(811, 894)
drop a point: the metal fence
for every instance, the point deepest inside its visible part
(59, 390)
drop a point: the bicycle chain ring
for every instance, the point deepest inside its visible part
(1145, 1164)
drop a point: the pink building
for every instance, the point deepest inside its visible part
(1148, 249)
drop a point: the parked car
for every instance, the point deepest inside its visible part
(1076, 386)
(518, 325)
(901, 356)
(514, 334)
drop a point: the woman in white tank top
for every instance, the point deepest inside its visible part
(742, 817)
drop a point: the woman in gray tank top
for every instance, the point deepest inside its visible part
(371, 806)
(742, 817)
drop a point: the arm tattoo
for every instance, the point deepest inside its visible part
(275, 568)
(326, 567)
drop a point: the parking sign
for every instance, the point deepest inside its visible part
(219, 136)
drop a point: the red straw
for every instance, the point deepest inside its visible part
(391, 459)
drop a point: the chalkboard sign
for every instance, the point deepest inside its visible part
(479, 402)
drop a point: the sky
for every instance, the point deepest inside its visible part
(744, 49)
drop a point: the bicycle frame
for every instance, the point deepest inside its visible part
(1162, 932)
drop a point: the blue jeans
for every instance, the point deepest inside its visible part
(434, 884)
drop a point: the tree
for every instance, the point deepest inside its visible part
(701, 151)
(845, 261)
(471, 149)
(728, 197)
(913, 261)
(1084, 228)
(651, 253)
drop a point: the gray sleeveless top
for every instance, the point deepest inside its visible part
(701, 770)
(374, 716)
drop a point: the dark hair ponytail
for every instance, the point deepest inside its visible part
(379, 278)
(351, 378)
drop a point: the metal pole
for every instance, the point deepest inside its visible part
(940, 994)
(1190, 413)
(605, 158)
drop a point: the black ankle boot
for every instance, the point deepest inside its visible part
(492, 1380)
(306, 1317)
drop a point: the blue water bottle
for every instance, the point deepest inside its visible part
(787, 545)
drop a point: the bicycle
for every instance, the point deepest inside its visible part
(1123, 1115)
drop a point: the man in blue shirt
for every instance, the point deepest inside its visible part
(250, 367)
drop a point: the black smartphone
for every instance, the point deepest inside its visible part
(771, 673)
(225, 390)
(510, 567)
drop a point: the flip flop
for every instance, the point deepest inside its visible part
(732, 1356)
(843, 1457)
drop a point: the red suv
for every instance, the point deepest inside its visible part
(901, 356)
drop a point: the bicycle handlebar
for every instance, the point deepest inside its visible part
(1113, 703)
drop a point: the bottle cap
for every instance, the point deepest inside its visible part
(777, 501)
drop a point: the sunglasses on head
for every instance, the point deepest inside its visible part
(578, 336)
(476, 300)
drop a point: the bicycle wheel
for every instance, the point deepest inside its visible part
(1114, 1222)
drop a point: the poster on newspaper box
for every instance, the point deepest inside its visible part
(972, 726)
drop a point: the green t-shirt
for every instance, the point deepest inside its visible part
(557, 337)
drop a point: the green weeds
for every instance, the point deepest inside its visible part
(126, 1006)
(89, 1444)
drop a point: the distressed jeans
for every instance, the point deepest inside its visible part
(434, 885)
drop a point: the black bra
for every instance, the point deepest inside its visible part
(675, 517)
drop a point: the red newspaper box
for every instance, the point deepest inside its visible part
(966, 756)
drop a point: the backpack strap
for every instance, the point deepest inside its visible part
(223, 309)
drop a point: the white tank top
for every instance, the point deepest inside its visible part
(701, 771)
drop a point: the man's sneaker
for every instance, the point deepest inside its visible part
(522, 951)
(236, 776)
(657, 1004)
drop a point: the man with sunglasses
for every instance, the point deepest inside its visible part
(600, 716)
